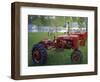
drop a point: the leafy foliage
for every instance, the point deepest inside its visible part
(56, 21)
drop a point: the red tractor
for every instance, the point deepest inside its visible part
(70, 41)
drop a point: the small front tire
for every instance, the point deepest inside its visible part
(77, 57)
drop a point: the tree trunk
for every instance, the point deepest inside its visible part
(68, 28)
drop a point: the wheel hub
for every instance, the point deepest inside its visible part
(36, 56)
(76, 58)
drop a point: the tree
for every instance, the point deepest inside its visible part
(86, 22)
(69, 20)
(39, 21)
(80, 21)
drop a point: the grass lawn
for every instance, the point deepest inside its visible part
(54, 57)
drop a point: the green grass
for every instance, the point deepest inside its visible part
(54, 57)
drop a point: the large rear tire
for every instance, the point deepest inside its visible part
(39, 54)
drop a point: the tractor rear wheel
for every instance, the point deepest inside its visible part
(39, 54)
(77, 57)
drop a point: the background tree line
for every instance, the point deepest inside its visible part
(56, 21)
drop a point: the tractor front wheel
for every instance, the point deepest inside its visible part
(76, 57)
(39, 54)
